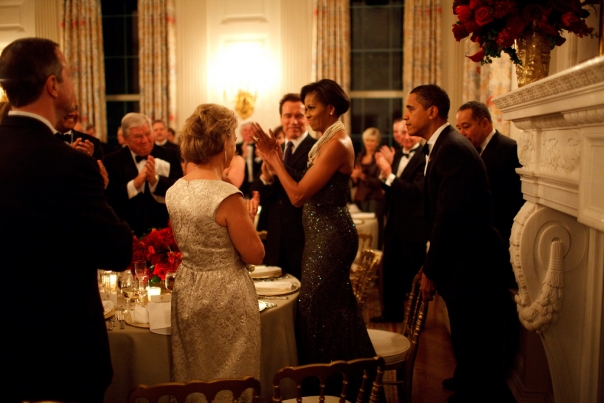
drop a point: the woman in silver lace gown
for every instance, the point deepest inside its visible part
(215, 316)
(329, 325)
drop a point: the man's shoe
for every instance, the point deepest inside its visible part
(384, 319)
(449, 384)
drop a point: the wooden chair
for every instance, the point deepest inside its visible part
(400, 349)
(180, 391)
(365, 241)
(364, 274)
(371, 368)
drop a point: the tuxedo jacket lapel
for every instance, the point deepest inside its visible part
(414, 162)
(301, 151)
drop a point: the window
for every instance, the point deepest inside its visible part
(120, 41)
(376, 28)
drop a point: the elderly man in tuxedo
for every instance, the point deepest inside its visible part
(253, 162)
(139, 176)
(405, 235)
(466, 262)
(56, 229)
(285, 237)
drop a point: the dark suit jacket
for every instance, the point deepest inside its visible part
(142, 211)
(98, 148)
(465, 248)
(501, 160)
(405, 201)
(56, 229)
(285, 237)
(173, 147)
(256, 165)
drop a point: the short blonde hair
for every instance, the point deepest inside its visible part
(205, 132)
(372, 132)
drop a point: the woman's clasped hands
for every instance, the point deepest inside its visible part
(266, 144)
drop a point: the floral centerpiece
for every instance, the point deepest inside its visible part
(496, 24)
(160, 251)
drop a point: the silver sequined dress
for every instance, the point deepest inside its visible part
(215, 316)
(329, 325)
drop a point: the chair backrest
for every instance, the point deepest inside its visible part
(210, 389)
(372, 370)
(365, 272)
(365, 241)
(415, 319)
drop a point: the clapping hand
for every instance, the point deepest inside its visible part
(266, 144)
(387, 153)
(252, 205)
(383, 164)
(84, 146)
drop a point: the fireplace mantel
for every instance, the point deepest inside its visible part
(557, 242)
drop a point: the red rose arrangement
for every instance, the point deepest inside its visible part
(496, 24)
(160, 251)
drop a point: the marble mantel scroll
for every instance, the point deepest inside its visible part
(557, 242)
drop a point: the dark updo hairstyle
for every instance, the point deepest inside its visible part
(205, 132)
(328, 92)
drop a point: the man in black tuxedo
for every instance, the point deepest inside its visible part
(405, 235)
(500, 156)
(253, 163)
(160, 136)
(83, 142)
(466, 262)
(139, 176)
(285, 234)
(56, 229)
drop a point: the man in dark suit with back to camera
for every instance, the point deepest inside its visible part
(405, 234)
(56, 229)
(466, 262)
(285, 234)
(139, 176)
(500, 156)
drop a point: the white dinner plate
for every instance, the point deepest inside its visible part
(295, 287)
(128, 320)
(261, 305)
(262, 271)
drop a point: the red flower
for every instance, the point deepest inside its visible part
(569, 19)
(505, 38)
(503, 8)
(516, 25)
(478, 56)
(484, 15)
(546, 27)
(159, 249)
(463, 13)
(532, 12)
(459, 31)
(474, 4)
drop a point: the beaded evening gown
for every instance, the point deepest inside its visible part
(215, 316)
(329, 325)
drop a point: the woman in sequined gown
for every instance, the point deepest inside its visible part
(329, 325)
(215, 316)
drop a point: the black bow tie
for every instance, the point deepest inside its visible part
(138, 158)
(65, 137)
(405, 155)
(426, 149)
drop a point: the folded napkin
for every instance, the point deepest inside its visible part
(273, 286)
(159, 317)
(362, 216)
(141, 315)
(107, 306)
(266, 271)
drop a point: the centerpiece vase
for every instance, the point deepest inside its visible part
(534, 50)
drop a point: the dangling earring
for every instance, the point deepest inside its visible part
(225, 157)
(330, 113)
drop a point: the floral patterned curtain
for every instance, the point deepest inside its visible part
(82, 44)
(421, 46)
(157, 59)
(331, 44)
(483, 83)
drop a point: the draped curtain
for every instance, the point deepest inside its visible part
(483, 83)
(421, 46)
(331, 44)
(82, 44)
(157, 59)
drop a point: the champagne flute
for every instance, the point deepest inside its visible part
(170, 279)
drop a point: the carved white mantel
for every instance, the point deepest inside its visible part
(557, 242)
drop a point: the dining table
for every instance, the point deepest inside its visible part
(142, 357)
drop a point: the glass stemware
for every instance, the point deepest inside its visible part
(140, 270)
(125, 282)
(169, 281)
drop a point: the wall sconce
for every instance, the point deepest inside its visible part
(243, 70)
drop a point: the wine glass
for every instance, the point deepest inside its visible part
(125, 282)
(170, 278)
(140, 270)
